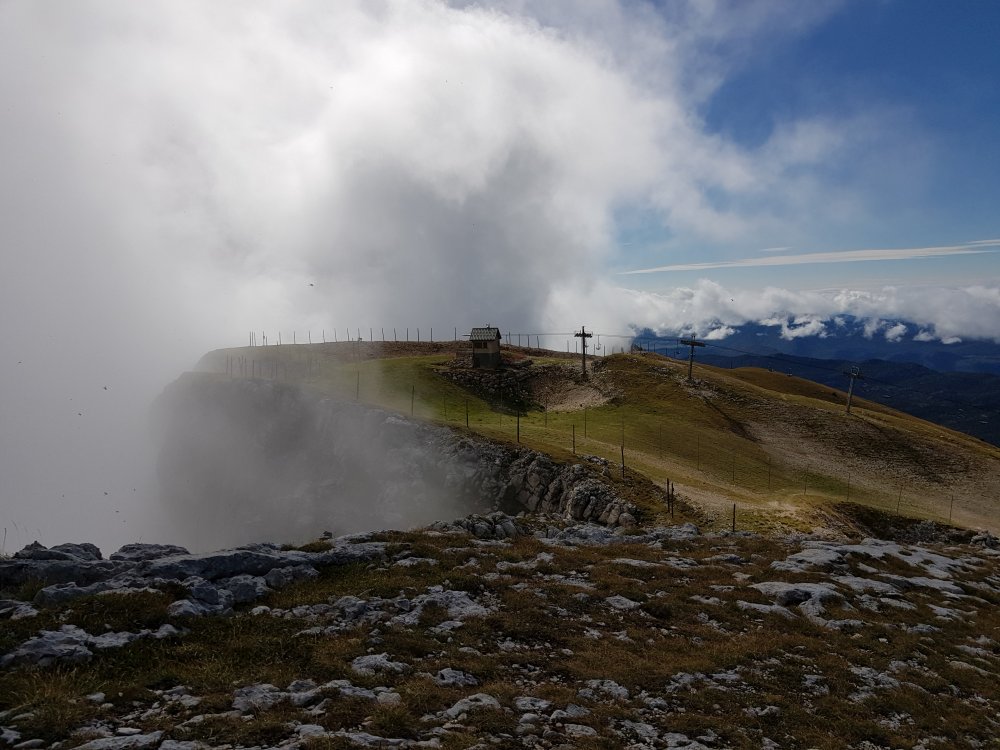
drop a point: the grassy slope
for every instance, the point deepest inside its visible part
(781, 448)
(562, 633)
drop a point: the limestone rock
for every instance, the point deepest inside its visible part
(471, 703)
(449, 677)
(371, 664)
(138, 552)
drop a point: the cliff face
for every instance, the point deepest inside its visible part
(243, 460)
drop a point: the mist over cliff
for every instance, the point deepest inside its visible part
(251, 460)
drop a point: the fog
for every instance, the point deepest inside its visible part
(241, 460)
(176, 174)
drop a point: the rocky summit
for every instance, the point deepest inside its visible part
(506, 631)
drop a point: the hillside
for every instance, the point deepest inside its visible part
(780, 448)
(964, 401)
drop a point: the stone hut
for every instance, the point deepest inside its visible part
(485, 347)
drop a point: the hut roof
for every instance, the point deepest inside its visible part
(486, 333)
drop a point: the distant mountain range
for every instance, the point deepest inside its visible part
(956, 385)
(853, 340)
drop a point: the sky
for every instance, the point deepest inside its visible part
(176, 174)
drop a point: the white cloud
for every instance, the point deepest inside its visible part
(896, 333)
(837, 256)
(939, 313)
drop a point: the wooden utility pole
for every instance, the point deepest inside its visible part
(854, 374)
(583, 336)
(692, 343)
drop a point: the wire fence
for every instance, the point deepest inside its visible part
(562, 342)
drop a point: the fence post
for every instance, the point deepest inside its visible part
(951, 507)
(623, 460)
(734, 518)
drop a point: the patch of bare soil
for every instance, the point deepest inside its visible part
(561, 388)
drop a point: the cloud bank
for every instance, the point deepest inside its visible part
(709, 309)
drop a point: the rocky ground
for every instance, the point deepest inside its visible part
(500, 631)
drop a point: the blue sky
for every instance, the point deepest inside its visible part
(912, 87)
